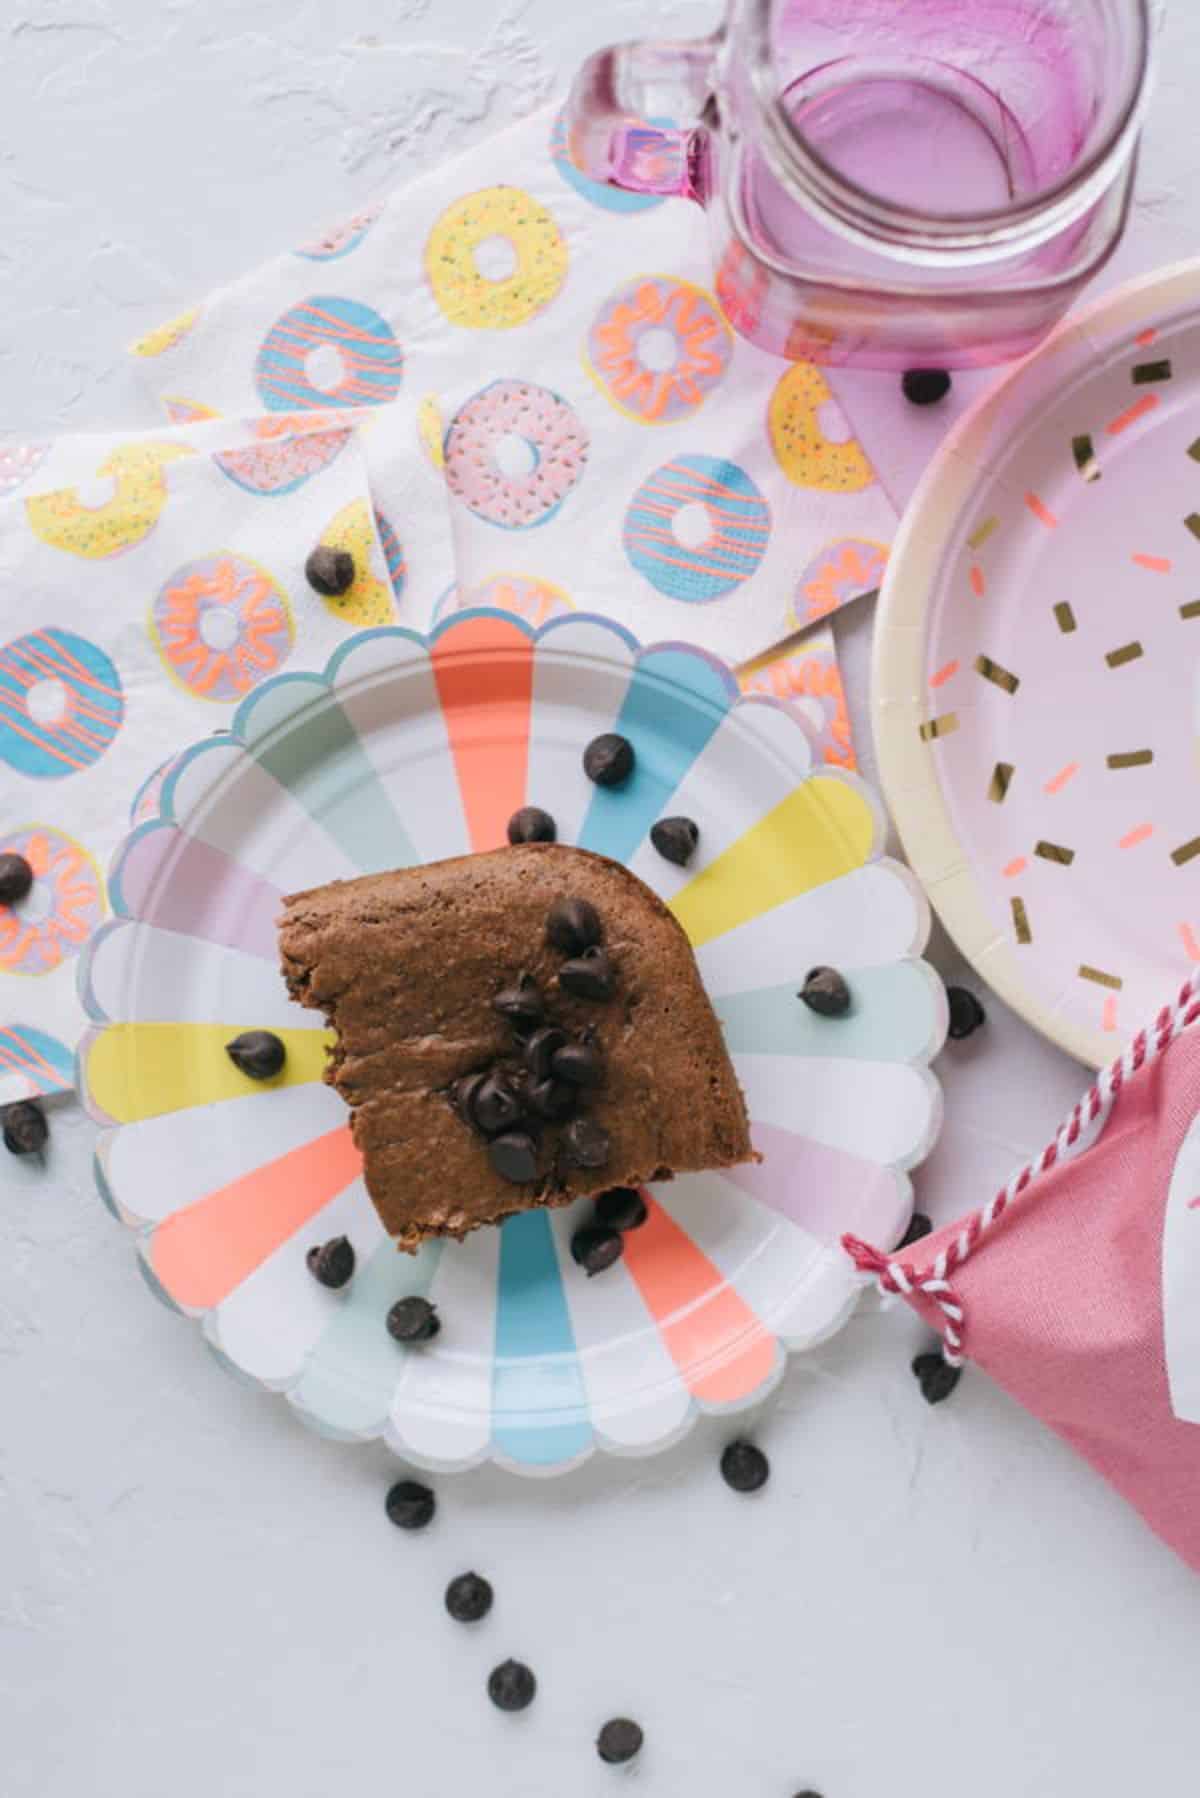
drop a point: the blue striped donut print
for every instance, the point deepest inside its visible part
(738, 526)
(372, 362)
(61, 704)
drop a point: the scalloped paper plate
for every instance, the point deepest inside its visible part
(408, 750)
(1035, 690)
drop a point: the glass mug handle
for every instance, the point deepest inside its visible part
(633, 117)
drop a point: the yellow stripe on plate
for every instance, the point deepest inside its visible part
(825, 829)
(134, 1071)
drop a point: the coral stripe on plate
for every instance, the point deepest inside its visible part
(142, 1070)
(201, 1253)
(825, 829)
(484, 672)
(539, 1403)
(721, 1349)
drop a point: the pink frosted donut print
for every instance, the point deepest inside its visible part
(221, 625)
(283, 465)
(62, 909)
(841, 572)
(514, 451)
(17, 462)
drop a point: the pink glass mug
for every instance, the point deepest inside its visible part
(888, 182)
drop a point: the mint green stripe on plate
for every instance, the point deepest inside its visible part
(892, 1017)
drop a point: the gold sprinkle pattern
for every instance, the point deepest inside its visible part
(999, 676)
(1146, 372)
(1000, 782)
(1131, 758)
(939, 727)
(1191, 609)
(1064, 617)
(1100, 978)
(1084, 452)
(1020, 918)
(1185, 852)
(1127, 652)
(1055, 852)
(981, 533)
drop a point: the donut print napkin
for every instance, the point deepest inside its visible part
(147, 584)
(608, 443)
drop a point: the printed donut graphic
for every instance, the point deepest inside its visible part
(187, 412)
(841, 572)
(371, 361)
(731, 520)
(63, 908)
(61, 704)
(534, 600)
(367, 601)
(343, 238)
(430, 430)
(534, 269)
(31, 1061)
(165, 337)
(807, 456)
(393, 553)
(221, 625)
(810, 680)
(514, 451)
(282, 466)
(139, 494)
(609, 199)
(18, 461)
(146, 802)
(657, 348)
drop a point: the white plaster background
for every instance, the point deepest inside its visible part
(197, 1596)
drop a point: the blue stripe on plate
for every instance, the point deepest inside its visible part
(540, 1410)
(675, 700)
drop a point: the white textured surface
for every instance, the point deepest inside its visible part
(196, 1596)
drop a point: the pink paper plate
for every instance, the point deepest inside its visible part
(1034, 693)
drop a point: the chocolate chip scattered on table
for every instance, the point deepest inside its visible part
(744, 1466)
(925, 386)
(469, 1597)
(511, 1686)
(919, 1226)
(619, 1741)
(259, 1054)
(25, 1128)
(410, 1505)
(16, 878)
(966, 1012)
(936, 1377)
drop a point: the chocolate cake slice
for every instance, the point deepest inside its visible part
(513, 1029)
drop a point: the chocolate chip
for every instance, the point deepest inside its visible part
(469, 1597)
(541, 1049)
(494, 1105)
(259, 1054)
(744, 1466)
(329, 572)
(521, 1004)
(586, 1143)
(573, 925)
(966, 1013)
(514, 1157)
(826, 993)
(462, 1096)
(675, 839)
(919, 1225)
(808, 1793)
(16, 878)
(553, 1100)
(589, 976)
(331, 1263)
(594, 1249)
(531, 825)
(410, 1505)
(936, 1376)
(511, 1686)
(25, 1127)
(621, 1208)
(618, 1741)
(413, 1319)
(925, 386)
(608, 760)
(580, 1063)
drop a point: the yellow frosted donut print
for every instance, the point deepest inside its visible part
(526, 277)
(366, 601)
(430, 431)
(165, 337)
(807, 457)
(139, 494)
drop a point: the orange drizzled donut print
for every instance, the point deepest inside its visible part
(221, 624)
(63, 908)
(658, 348)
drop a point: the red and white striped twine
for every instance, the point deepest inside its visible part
(897, 1277)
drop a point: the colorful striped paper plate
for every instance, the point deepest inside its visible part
(1035, 693)
(408, 750)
